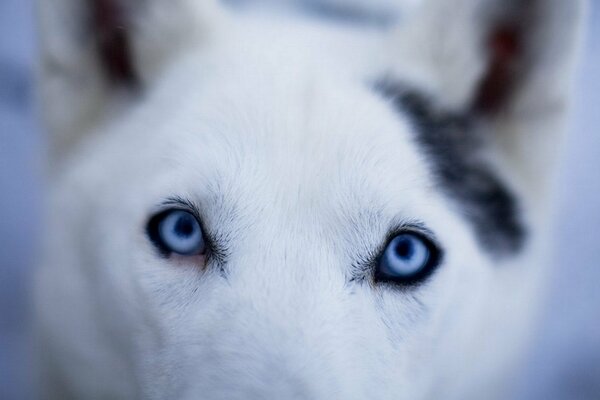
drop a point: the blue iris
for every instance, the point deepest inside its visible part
(407, 258)
(179, 232)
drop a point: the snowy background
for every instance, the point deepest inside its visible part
(564, 364)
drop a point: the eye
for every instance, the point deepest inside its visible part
(409, 258)
(176, 232)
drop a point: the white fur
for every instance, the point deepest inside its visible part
(270, 126)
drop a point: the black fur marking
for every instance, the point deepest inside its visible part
(454, 148)
(111, 27)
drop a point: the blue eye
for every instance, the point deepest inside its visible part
(177, 232)
(408, 258)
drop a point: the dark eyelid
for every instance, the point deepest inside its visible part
(171, 204)
(364, 268)
(215, 250)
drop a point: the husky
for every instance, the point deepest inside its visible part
(271, 205)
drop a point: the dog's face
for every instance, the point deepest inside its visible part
(287, 211)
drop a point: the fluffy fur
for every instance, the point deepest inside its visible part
(300, 168)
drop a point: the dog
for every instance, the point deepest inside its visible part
(272, 205)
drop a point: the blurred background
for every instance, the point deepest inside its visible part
(564, 362)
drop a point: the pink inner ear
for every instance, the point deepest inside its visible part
(505, 49)
(504, 44)
(110, 26)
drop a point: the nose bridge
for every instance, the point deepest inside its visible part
(277, 339)
(288, 247)
(284, 283)
(287, 267)
(288, 326)
(287, 304)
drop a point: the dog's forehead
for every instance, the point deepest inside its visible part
(284, 130)
(296, 128)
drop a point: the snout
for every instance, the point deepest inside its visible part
(283, 345)
(264, 356)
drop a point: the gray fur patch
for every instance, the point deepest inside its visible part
(453, 147)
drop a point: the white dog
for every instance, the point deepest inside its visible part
(269, 206)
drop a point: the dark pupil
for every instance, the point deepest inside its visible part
(405, 249)
(184, 226)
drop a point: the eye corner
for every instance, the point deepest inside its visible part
(152, 232)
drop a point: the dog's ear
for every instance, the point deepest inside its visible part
(507, 63)
(95, 53)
